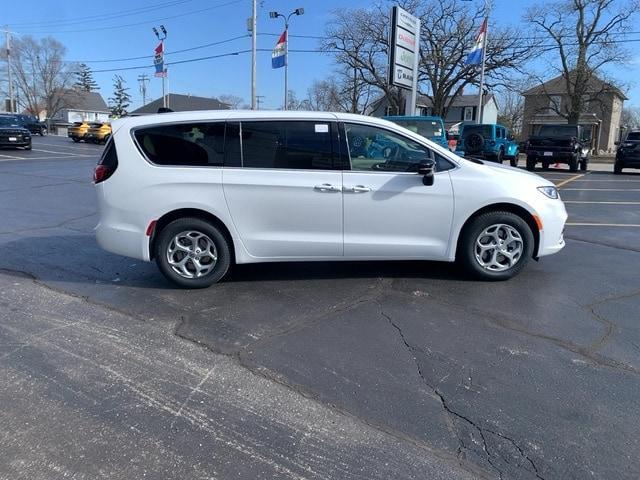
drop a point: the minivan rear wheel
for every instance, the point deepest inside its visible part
(496, 246)
(192, 253)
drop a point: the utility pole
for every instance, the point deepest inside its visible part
(254, 36)
(12, 102)
(143, 79)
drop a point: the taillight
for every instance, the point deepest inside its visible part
(108, 163)
(101, 173)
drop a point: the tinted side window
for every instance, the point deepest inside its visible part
(379, 150)
(302, 145)
(186, 144)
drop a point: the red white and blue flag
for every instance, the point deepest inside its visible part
(158, 61)
(279, 53)
(475, 55)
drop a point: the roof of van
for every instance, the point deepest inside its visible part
(171, 117)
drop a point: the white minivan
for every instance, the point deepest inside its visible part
(200, 191)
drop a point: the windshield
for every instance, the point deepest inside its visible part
(427, 128)
(558, 131)
(484, 130)
(633, 136)
(9, 122)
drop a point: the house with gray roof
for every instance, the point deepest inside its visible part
(182, 103)
(80, 106)
(462, 108)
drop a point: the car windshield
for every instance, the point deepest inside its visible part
(558, 131)
(427, 128)
(484, 130)
(9, 122)
(634, 136)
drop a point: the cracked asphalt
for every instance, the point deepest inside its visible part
(350, 370)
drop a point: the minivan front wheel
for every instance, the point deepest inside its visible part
(192, 253)
(496, 246)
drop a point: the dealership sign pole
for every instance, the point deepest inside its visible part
(404, 55)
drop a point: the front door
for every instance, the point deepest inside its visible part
(388, 211)
(284, 197)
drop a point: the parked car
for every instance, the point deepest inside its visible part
(429, 127)
(98, 132)
(489, 141)
(13, 134)
(199, 191)
(561, 143)
(628, 152)
(31, 123)
(77, 131)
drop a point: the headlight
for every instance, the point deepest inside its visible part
(549, 191)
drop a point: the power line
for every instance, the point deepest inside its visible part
(107, 16)
(146, 22)
(142, 57)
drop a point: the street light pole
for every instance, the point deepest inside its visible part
(297, 11)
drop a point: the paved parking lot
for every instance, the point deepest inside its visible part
(351, 370)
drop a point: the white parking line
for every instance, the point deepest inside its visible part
(603, 203)
(609, 181)
(634, 225)
(601, 189)
(59, 157)
(51, 151)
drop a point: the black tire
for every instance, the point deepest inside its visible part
(513, 161)
(573, 164)
(166, 238)
(583, 164)
(531, 163)
(500, 156)
(545, 165)
(466, 255)
(76, 140)
(617, 168)
(28, 147)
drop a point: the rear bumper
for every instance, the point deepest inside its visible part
(556, 156)
(21, 143)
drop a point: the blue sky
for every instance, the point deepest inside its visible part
(114, 31)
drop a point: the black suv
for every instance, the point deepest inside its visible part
(32, 124)
(628, 153)
(13, 134)
(558, 144)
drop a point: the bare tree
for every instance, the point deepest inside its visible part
(583, 36)
(359, 40)
(234, 101)
(41, 76)
(339, 93)
(630, 117)
(511, 110)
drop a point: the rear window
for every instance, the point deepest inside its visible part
(633, 136)
(484, 130)
(558, 131)
(426, 128)
(185, 144)
(300, 145)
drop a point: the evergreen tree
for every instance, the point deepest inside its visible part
(121, 99)
(84, 79)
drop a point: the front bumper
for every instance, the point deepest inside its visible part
(554, 217)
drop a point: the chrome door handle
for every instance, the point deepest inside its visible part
(327, 187)
(359, 189)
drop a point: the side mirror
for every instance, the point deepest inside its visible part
(426, 169)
